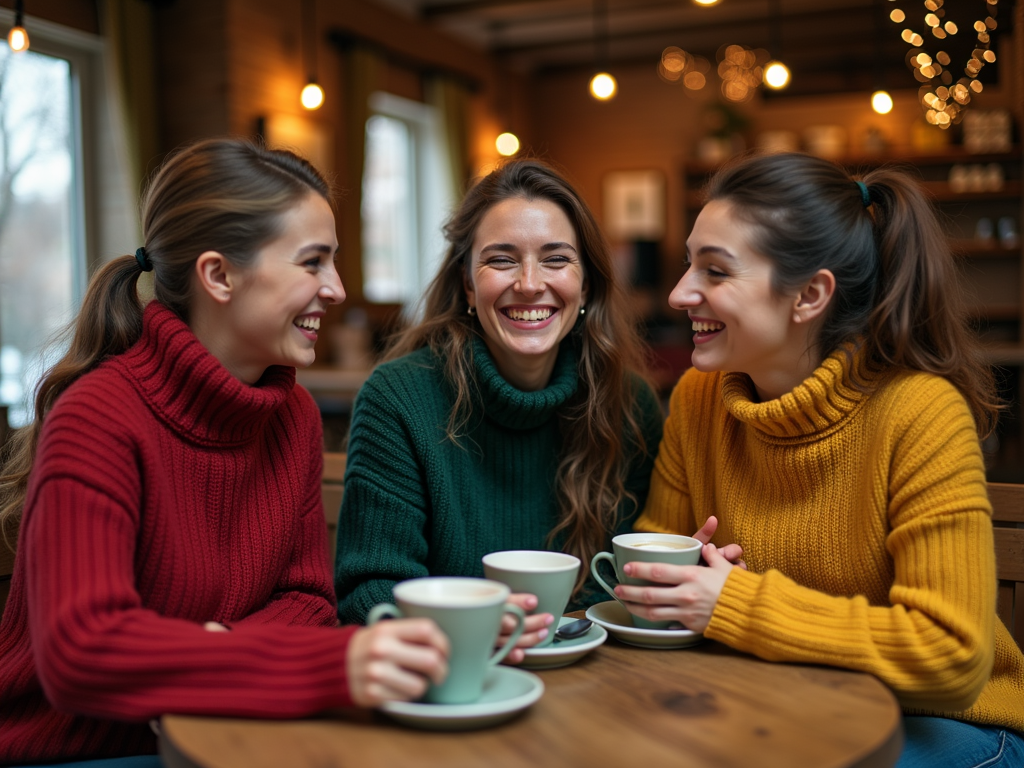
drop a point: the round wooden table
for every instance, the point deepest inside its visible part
(620, 706)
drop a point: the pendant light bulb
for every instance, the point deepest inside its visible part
(776, 75)
(17, 38)
(312, 96)
(603, 86)
(507, 144)
(705, 3)
(881, 102)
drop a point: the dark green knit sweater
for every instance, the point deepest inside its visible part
(416, 504)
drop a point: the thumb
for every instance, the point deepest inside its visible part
(707, 530)
(714, 558)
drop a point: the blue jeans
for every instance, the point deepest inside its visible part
(938, 742)
(136, 761)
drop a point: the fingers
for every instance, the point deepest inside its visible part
(213, 626)
(732, 552)
(713, 557)
(394, 659)
(524, 600)
(661, 573)
(535, 629)
(707, 530)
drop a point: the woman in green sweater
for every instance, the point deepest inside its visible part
(514, 416)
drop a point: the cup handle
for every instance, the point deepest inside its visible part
(597, 576)
(502, 652)
(382, 611)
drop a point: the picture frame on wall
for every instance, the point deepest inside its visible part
(634, 205)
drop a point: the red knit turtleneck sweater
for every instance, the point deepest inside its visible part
(165, 494)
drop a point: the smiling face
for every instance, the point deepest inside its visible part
(740, 323)
(275, 313)
(526, 281)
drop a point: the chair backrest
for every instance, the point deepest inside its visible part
(6, 567)
(1008, 527)
(331, 486)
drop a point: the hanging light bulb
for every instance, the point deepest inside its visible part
(507, 144)
(881, 102)
(705, 3)
(17, 38)
(776, 75)
(312, 96)
(603, 86)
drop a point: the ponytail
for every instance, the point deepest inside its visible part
(897, 287)
(919, 320)
(109, 323)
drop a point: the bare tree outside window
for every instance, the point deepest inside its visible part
(36, 211)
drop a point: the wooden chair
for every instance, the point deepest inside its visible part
(6, 567)
(331, 487)
(1008, 521)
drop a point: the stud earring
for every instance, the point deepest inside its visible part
(471, 311)
(583, 310)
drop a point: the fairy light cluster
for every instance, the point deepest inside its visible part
(944, 100)
(678, 66)
(740, 72)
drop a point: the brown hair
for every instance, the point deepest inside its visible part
(224, 195)
(598, 423)
(897, 286)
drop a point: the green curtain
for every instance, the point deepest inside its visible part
(363, 70)
(451, 100)
(128, 29)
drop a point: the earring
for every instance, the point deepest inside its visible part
(583, 310)
(471, 311)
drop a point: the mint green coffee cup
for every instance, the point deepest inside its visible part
(550, 576)
(469, 612)
(645, 548)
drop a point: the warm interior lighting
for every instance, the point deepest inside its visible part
(705, 2)
(776, 75)
(603, 86)
(17, 38)
(881, 102)
(312, 96)
(507, 144)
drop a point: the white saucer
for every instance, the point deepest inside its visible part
(616, 619)
(562, 653)
(507, 691)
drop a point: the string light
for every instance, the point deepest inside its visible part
(881, 102)
(312, 96)
(17, 38)
(943, 100)
(603, 86)
(776, 75)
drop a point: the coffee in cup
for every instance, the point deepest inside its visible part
(645, 548)
(548, 575)
(469, 612)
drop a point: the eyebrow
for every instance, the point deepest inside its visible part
(318, 248)
(510, 247)
(711, 250)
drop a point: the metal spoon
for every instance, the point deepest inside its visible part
(573, 629)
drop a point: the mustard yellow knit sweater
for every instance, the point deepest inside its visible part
(865, 526)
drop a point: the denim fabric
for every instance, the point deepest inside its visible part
(938, 742)
(135, 761)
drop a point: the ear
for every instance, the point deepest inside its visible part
(467, 285)
(815, 297)
(215, 276)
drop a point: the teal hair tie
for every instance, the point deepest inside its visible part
(865, 196)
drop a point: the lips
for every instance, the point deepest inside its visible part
(528, 314)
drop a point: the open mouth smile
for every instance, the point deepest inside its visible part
(309, 325)
(705, 330)
(528, 315)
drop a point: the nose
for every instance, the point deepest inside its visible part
(332, 291)
(686, 294)
(530, 281)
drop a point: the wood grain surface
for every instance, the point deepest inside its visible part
(619, 706)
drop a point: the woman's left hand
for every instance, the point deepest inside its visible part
(536, 628)
(689, 595)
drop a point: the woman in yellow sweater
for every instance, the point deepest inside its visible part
(830, 427)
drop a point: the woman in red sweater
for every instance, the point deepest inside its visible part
(171, 554)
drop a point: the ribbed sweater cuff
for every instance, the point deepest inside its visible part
(730, 620)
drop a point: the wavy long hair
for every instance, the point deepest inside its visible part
(224, 195)
(897, 286)
(599, 428)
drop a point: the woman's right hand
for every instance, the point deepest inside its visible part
(731, 552)
(394, 660)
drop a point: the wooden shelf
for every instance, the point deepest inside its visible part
(943, 192)
(1004, 354)
(979, 249)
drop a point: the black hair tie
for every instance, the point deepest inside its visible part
(143, 258)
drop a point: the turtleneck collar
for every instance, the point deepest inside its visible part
(513, 408)
(190, 391)
(819, 405)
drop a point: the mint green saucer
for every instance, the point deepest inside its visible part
(616, 619)
(562, 653)
(507, 692)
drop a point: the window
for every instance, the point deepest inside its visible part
(47, 102)
(406, 198)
